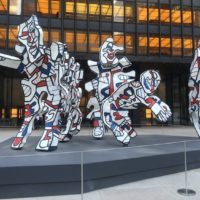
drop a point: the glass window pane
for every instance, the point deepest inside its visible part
(28, 7)
(94, 10)
(55, 8)
(55, 35)
(106, 10)
(46, 36)
(165, 14)
(142, 45)
(81, 42)
(154, 45)
(197, 17)
(13, 32)
(69, 9)
(81, 9)
(196, 40)
(142, 12)
(118, 11)
(3, 6)
(176, 46)
(130, 44)
(187, 16)
(94, 42)
(42, 7)
(15, 7)
(104, 36)
(118, 39)
(165, 46)
(153, 13)
(176, 14)
(69, 40)
(2, 37)
(130, 12)
(188, 47)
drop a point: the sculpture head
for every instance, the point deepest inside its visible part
(30, 35)
(150, 80)
(107, 54)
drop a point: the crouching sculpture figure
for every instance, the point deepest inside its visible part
(116, 92)
(43, 89)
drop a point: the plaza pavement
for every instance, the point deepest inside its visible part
(159, 188)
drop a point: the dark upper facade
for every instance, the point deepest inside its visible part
(162, 33)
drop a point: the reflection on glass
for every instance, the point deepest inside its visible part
(142, 45)
(142, 12)
(94, 9)
(81, 42)
(118, 39)
(104, 36)
(46, 36)
(130, 12)
(130, 44)
(69, 9)
(153, 13)
(165, 45)
(164, 14)
(69, 40)
(55, 8)
(28, 7)
(176, 46)
(176, 14)
(154, 45)
(81, 9)
(106, 10)
(2, 37)
(3, 6)
(187, 43)
(13, 31)
(187, 16)
(196, 40)
(42, 7)
(15, 7)
(197, 17)
(94, 42)
(118, 11)
(55, 35)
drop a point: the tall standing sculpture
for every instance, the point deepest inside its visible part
(116, 92)
(194, 96)
(110, 76)
(43, 89)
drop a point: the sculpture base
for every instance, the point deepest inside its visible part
(27, 172)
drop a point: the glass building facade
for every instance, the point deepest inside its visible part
(160, 34)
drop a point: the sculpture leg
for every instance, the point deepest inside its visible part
(99, 128)
(49, 140)
(127, 126)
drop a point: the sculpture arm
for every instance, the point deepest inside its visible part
(9, 61)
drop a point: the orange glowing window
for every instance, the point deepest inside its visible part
(81, 42)
(55, 7)
(164, 15)
(153, 14)
(69, 7)
(55, 35)
(45, 36)
(93, 42)
(94, 9)
(188, 46)
(104, 36)
(42, 7)
(106, 9)
(176, 46)
(13, 32)
(187, 17)
(148, 113)
(176, 15)
(118, 38)
(142, 14)
(143, 41)
(187, 43)
(14, 113)
(129, 44)
(3, 6)
(118, 11)
(69, 40)
(153, 42)
(2, 37)
(129, 11)
(165, 42)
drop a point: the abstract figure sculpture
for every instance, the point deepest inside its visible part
(44, 88)
(194, 96)
(116, 92)
(109, 78)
